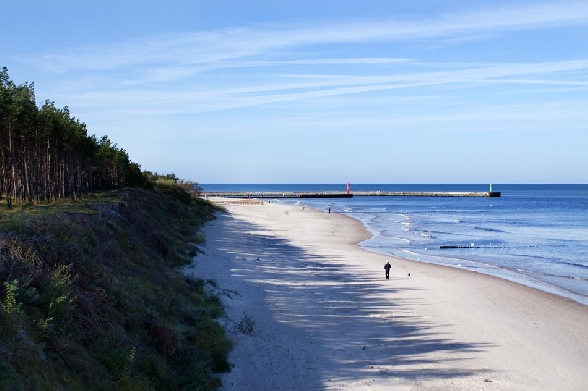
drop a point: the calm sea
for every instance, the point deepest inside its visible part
(536, 235)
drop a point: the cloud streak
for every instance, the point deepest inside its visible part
(217, 48)
(318, 70)
(303, 87)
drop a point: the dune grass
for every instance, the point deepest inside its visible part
(91, 298)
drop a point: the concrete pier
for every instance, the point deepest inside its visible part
(429, 193)
(350, 195)
(230, 194)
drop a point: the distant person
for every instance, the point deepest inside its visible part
(387, 267)
(329, 210)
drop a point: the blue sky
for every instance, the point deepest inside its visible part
(230, 91)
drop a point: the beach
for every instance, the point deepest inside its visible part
(308, 309)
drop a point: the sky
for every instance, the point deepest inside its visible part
(268, 91)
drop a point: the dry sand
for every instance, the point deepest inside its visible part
(310, 310)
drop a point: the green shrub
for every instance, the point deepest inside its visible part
(58, 297)
(210, 337)
(9, 378)
(11, 305)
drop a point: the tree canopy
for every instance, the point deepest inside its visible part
(46, 154)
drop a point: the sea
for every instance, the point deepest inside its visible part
(535, 235)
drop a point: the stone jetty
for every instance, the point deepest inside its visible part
(250, 195)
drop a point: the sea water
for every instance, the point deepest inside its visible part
(536, 235)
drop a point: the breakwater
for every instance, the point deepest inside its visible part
(229, 194)
(429, 193)
(271, 194)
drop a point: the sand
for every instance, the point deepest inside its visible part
(308, 309)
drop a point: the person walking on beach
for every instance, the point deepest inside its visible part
(387, 267)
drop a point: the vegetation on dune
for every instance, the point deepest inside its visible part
(90, 294)
(91, 298)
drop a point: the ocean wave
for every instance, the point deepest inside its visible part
(570, 263)
(399, 238)
(409, 252)
(577, 278)
(490, 229)
(444, 211)
(437, 232)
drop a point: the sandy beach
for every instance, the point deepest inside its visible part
(308, 309)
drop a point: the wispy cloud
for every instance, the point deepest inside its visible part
(143, 100)
(217, 48)
(207, 71)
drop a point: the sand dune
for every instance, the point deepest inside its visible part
(310, 310)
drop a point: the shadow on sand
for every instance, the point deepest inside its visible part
(341, 311)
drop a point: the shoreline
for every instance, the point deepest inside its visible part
(509, 275)
(315, 293)
(505, 274)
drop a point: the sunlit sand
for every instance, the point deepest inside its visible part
(310, 310)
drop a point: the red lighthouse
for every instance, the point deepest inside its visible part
(348, 188)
